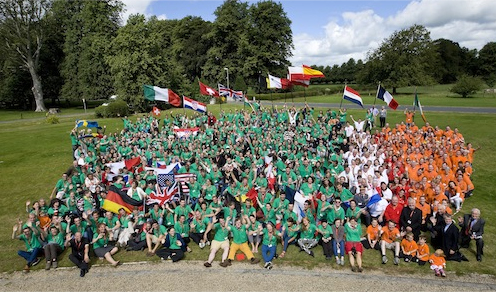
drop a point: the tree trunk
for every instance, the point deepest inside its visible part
(394, 90)
(37, 88)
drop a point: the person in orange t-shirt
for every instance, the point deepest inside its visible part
(408, 117)
(422, 256)
(408, 247)
(438, 263)
(390, 236)
(373, 235)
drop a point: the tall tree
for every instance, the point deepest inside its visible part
(450, 61)
(405, 58)
(22, 29)
(487, 63)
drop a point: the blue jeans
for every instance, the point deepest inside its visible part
(30, 256)
(285, 241)
(335, 248)
(268, 253)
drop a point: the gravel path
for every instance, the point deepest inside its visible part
(192, 276)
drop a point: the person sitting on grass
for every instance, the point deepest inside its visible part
(408, 247)
(290, 231)
(101, 245)
(372, 239)
(438, 263)
(423, 253)
(33, 245)
(307, 236)
(54, 247)
(80, 252)
(390, 236)
(138, 241)
(240, 242)
(353, 246)
(221, 239)
(338, 241)
(269, 244)
(173, 247)
(155, 237)
(325, 230)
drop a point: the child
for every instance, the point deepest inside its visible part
(422, 251)
(408, 247)
(438, 263)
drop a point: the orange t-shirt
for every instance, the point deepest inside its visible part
(409, 118)
(438, 261)
(389, 235)
(409, 246)
(423, 252)
(426, 209)
(373, 232)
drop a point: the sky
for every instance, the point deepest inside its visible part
(328, 32)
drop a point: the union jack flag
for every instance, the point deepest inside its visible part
(224, 91)
(238, 94)
(164, 195)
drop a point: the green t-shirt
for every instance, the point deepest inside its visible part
(182, 229)
(31, 243)
(309, 233)
(352, 235)
(326, 232)
(161, 231)
(239, 235)
(221, 233)
(102, 242)
(58, 239)
(173, 242)
(269, 240)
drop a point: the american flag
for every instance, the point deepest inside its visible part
(182, 179)
(224, 91)
(163, 177)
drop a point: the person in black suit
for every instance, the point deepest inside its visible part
(80, 252)
(450, 236)
(472, 227)
(411, 219)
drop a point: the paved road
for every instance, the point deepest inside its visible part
(453, 109)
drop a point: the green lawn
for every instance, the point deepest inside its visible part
(33, 155)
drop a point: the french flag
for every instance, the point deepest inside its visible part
(194, 105)
(384, 95)
(352, 95)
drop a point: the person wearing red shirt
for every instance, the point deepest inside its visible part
(393, 211)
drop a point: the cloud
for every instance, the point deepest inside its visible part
(471, 23)
(134, 7)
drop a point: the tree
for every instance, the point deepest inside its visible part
(467, 85)
(487, 63)
(405, 58)
(450, 61)
(22, 29)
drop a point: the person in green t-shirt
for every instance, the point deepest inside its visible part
(353, 247)
(325, 231)
(240, 242)
(221, 239)
(54, 247)
(155, 237)
(307, 238)
(290, 231)
(101, 245)
(269, 244)
(173, 246)
(33, 245)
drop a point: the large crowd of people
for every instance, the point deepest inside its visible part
(365, 186)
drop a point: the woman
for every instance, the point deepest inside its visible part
(307, 236)
(101, 245)
(173, 247)
(269, 244)
(54, 247)
(325, 230)
(353, 246)
(253, 230)
(338, 241)
(309, 188)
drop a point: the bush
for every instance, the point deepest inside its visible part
(113, 109)
(467, 85)
(52, 119)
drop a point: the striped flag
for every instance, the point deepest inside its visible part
(163, 196)
(224, 91)
(416, 103)
(182, 179)
(351, 95)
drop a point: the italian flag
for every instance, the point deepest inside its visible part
(154, 93)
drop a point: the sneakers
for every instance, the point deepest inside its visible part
(360, 269)
(82, 273)
(328, 258)
(48, 265)
(342, 261)
(207, 264)
(254, 261)
(37, 261)
(268, 265)
(396, 261)
(208, 242)
(353, 269)
(443, 274)
(311, 254)
(201, 245)
(55, 265)
(26, 269)
(224, 264)
(338, 261)
(384, 259)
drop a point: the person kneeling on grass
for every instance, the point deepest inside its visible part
(221, 239)
(173, 247)
(101, 245)
(390, 236)
(80, 252)
(33, 245)
(240, 242)
(408, 247)
(353, 246)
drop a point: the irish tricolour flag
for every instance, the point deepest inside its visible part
(154, 93)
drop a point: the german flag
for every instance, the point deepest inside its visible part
(117, 199)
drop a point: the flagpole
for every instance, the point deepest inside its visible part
(377, 93)
(415, 98)
(341, 104)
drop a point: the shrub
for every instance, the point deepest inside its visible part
(113, 109)
(52, 119)
(467, 85)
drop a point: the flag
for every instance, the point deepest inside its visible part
(290, 193)
(224, 91)
(276, 82)
(253, 105)
(163, 178)
(237, 94)
(416, 103)
(303, 73)
(132, 162)
(154, 93)
(299, 203)
(194, 105)
(117, 199)
(163, 195)
(353, 96)
(156, 111)
(116, 166)
(206, 90)
(87, 124)
(185, 133)
(308, 71)
(384, 95)
(182, 179)
(252, 194)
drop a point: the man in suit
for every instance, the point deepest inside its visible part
(80, 252)
(411, 219)
(472, 227)
(450, 236)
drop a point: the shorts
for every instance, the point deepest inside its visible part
(101, 251)
(154, 239)
(349, 246)
(390, 245)
(219, 244)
